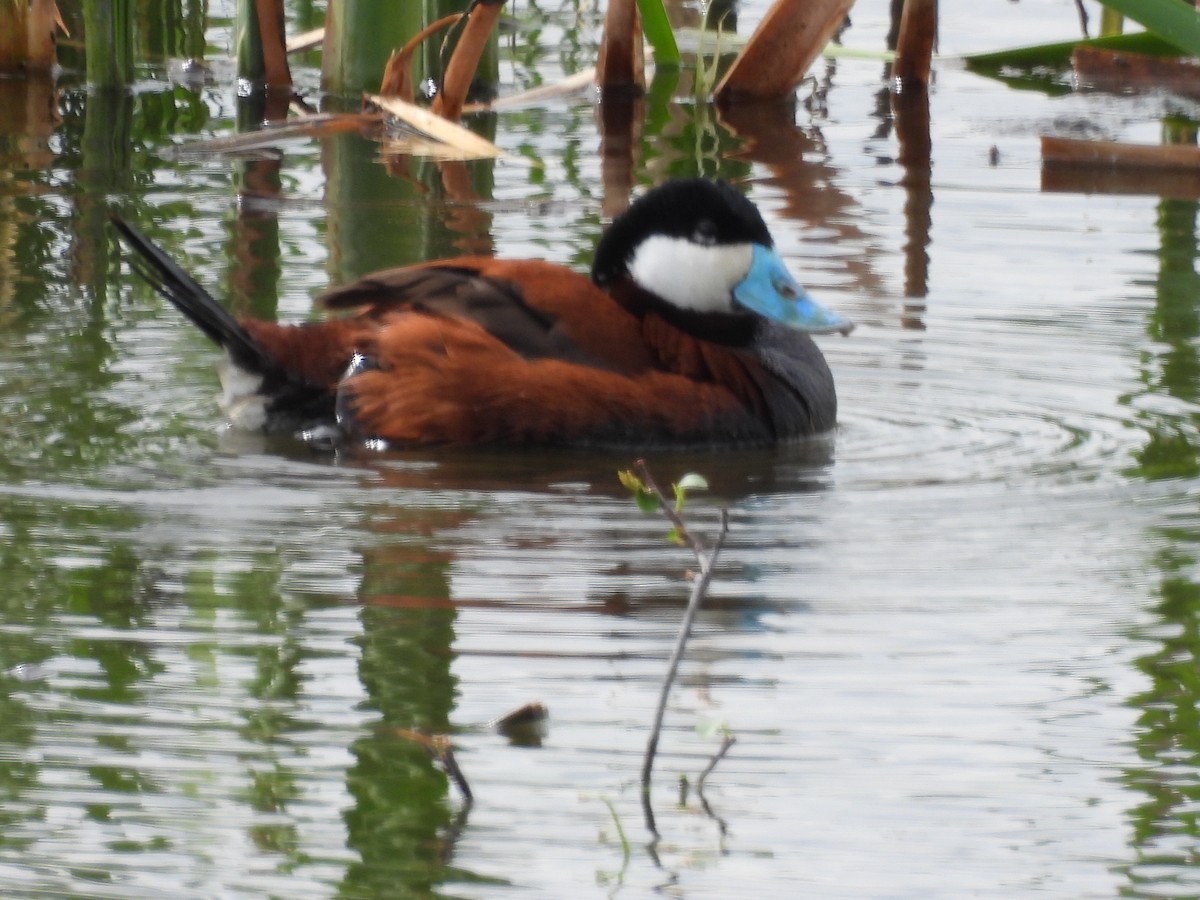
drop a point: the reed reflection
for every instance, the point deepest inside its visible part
(408, 210)
(1165, 833)
(400, 824)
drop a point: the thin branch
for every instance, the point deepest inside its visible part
(439, 747)
(707, 561)
(728, 742)
(445, 755)
(695, 543)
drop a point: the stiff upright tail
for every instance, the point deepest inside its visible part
(181, 290)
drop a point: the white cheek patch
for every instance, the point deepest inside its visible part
(691, 276)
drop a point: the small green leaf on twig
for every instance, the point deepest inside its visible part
(645, 501)
(645, 498)
(689, 482)
(630, 482)
(675, 536)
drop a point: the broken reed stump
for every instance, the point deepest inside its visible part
(914, 43)
(268, 60)
(482, 17)
(27, 34)
(620, 65)
(778, 55)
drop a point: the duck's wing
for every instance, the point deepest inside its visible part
(466, 290)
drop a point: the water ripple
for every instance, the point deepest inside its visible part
(923, 411)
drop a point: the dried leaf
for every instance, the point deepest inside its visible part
(466, 142)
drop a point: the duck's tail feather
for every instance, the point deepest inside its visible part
(181, 290)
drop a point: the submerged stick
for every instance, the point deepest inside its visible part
(319, 125)
(707, 561)
(445, 755)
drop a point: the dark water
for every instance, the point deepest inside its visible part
(956, 641)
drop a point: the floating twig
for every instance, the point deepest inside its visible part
(270, 136)
(1115, 155)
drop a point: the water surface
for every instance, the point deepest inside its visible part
(956, 640)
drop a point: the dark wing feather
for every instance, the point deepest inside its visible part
(183, 292)
(496, 305)
(253, 346)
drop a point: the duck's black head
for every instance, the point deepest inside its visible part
(703, 248)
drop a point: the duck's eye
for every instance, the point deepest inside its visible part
(706, 233)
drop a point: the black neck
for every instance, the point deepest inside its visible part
(730, 329)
